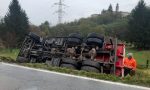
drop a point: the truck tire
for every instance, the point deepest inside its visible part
(75, 35)
(95, 42)
(94, 39)
(56, 62)
(69, 61)
(68, 66)
(91, 63)
(74, 39)
(90, 69)
(94, 35)
(21, 59)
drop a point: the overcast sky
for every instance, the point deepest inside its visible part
(39, 11)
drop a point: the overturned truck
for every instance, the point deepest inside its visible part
(92, 53)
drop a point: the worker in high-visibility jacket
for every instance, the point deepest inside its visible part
(129, 65)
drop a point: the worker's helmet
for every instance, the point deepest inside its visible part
(130, 54)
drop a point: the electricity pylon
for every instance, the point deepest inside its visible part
(60, 11)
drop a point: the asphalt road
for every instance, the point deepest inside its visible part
(14, 77)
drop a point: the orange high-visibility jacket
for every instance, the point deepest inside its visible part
(130, 63)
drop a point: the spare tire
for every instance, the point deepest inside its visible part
(90, 69)
(70, 66)
(94, 39)
(70, 61)
(94, 35)
(91, 64)
(74, 39)
(75, 35)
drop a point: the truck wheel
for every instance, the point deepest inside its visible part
(21, 59)
(89, 69)
(68, 66)
(91, 63)
(75, 35)
(56, 62)
(69, 61)
(94, 35)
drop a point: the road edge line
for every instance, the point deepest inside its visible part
(79, 77)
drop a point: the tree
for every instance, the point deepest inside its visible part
(106, 23)
(16, 21)
(139, 29)
(2, 30)
(110, 9)
(103, 11)
(117, 8)
(36, 29)
(45, 27)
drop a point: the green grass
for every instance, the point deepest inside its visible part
(142, 77)
(140, 56)
(9, 53)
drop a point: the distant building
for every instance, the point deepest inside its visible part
(124, 14)
(95, 15)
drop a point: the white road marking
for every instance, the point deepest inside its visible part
(80, 77)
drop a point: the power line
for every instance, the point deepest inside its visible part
(60, 11)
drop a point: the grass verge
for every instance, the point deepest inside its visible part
(11, 53)
(7, 59)
(141, 78)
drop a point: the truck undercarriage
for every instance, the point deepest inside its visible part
(91, 53)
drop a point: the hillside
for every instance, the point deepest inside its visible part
(108, 24)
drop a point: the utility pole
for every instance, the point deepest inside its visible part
(60, 11)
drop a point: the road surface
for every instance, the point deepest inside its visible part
(14, 77)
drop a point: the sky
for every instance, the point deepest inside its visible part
(39, 11)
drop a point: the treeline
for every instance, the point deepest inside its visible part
(131, 27)
(102, 23)
(139, 26)
(109, 23)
